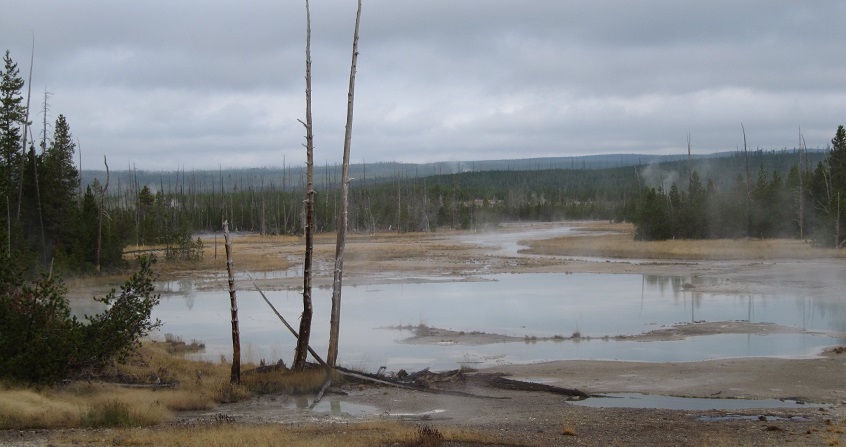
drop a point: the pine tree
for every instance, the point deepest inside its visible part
(60, 181)
(837, 161)
(12, 116)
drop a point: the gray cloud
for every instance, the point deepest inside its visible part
(196, 84)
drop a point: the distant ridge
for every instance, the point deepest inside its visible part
(327, 176)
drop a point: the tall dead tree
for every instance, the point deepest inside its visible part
(305, 321)
(100, 214)
(748, 186)
(235, 374)
(801, 187)
(689, 162)
(335, 319)
(25, 126)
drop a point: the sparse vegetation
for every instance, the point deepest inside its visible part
(622, 246)
(221, 432)
(568, 431)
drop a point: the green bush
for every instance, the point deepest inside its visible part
(41, 342)
(38, 336)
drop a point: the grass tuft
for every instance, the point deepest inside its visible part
(28, 409)
(116, 413)
(428, 437)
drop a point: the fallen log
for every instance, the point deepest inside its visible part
(408, 386)
(499, 382)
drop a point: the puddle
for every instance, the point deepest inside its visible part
(332, 406)
(739, 417)
(417, 415)
(635, 400)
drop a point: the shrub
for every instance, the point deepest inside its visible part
(37, 333)
(41, 342)
(117, 331)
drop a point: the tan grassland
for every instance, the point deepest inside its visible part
(620, 244)
(203, 410)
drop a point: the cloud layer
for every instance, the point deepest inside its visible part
(197, 84)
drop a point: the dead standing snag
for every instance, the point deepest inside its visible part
(235, 375)
(335, 319)
(305, 321)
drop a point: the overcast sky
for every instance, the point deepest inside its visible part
(195, 84)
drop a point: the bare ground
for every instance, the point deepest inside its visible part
(522, 418)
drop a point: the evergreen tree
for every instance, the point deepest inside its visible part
(12, 116)
(60, 181)
(837, 161)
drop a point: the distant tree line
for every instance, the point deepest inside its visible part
(49, 218)
(808, 204)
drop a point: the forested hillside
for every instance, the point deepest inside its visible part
(54, 217)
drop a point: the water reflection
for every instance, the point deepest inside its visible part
(524, 305)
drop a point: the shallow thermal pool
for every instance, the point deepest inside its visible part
(523, 305)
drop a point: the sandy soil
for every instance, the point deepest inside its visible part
(524, 418)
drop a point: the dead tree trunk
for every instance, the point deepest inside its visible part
(801, 188)
(100, 215)
(305, 322)
(748, 187)
(689, 163)
(837, 242)
(25, 128)
(335, 319)
(235, 374)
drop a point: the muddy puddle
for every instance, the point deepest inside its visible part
(636, 400)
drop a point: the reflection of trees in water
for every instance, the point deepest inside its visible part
(186, 289)
(832, 310)
(662, 283)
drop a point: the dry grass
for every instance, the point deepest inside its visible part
(196, 385)
(227, 434)
(24, 408)
(835, 433)
(283, 381)
(224, 434)
(94, 406)
(622, 245)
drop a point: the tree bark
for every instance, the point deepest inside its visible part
(335, 319)
(305, 322)
(235, 374)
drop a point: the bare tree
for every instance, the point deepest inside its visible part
(801, 187)
(689, 162)
(748, 186)
(335, 319)
(305, 322)
(25, 126)
(235, 374)
(100, 214)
